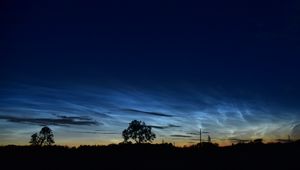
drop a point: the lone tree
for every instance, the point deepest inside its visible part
(44, 138)
(139, 132)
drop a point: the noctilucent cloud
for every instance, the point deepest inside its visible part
(87, 69)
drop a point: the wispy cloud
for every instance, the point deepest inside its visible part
(165, 127)
(97, 132)
(166, 111)
(61, 121)
(296, 131)
(148, 113)
(238, 140)
(181, 136)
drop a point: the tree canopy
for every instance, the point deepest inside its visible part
(139, 132)
(44, 138)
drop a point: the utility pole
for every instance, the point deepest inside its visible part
(200, 137)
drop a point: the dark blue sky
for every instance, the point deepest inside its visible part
(88, 68)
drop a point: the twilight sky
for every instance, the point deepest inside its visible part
(86, 69)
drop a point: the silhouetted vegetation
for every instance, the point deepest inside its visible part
(139, 132)
(204, 155)
(250, 155)
(44, 138)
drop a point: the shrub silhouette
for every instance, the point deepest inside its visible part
(139, 132)
(258, 141)
(44, 138)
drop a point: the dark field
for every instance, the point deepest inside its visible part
(150, 156)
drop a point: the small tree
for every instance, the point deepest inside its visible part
(34, 139)
(44, 137)
(139, 132)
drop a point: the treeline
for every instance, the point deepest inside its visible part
(153, 156)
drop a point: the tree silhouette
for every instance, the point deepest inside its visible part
(34, 139)
(139, 132)
(44, 137)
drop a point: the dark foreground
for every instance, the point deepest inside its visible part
(164, 156)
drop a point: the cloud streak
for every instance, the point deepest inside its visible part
(181, 136)
(61, 121)
(97, 132)
(147, 113)
(165, 127)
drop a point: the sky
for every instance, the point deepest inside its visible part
(87, 69)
